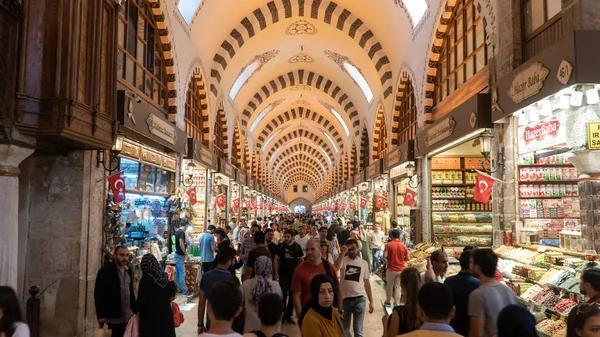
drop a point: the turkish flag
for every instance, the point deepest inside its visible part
(363, 203)
(192, 194)
(409, 197)
(483, 188)
(117, 186)
(380, 201)
(352, 205)
(254, 205)
(248, 204)
(344, 207)
(236, 203)
(220, 200)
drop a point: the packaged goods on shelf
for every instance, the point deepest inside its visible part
(554, 328)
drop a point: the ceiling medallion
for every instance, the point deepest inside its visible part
(301, 58)
(301, 27)
(262, 59)
(300, 87)
(301, 102)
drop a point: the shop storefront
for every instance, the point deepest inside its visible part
(223, 180)
(552, 104)
(148, 163)
(195, 173)
(358, 200)
(453, 148)
(377, 196)
(399, 164)
(242, 195)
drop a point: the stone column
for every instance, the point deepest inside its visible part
(10, 158)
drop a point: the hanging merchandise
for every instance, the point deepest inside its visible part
(117, 186)
(220, 200)
(363, 202)
(380, 201)
(483, 188)
(236, 203)
(409, 197)
(248, 204)
(192, 194)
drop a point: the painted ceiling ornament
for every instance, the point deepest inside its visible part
(301, 58)
(340, 59)
(301, 102)
(301, 27)
(262, 60)
(326, 105)
(300, 87)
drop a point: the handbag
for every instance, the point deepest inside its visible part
(178, 318)
(133, 327)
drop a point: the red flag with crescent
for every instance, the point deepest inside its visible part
(117, 186)
(380, 201)
(363, 203)
(220, 200)
(236, 203)
(483, 188)
(352, 205)
(248, 204)
(254, 205)
(409, 197)
(192, 194)
(344, 206)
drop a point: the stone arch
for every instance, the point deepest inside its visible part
(236, 147)
(325, 11)
(380, 134)
(220, 143)
(364, 148)
(405, 110)
(302, 77)
(196, 106)
(246, 157)
(301, 133)
(354, 159)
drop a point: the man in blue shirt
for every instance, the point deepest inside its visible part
(436, 309)
(462, 284)
(207, 248)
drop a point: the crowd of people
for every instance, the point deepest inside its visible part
(259, 277)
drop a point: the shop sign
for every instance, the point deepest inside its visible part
(594, 135)
(546, 133)
(227, 169)
(161, 129)
(241, 178)
(374, 169)
(393, 158)
(528, 82)
(565, 70)
(440, 131)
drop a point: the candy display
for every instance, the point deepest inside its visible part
(554, 328)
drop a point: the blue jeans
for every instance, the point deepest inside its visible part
(376, 252)
(180, 273)
(356, 307)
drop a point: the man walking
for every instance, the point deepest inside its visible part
(376, 244)
(302, 238)
(305, 272)
(462, 284)
(396, 255)
(237, 242)
(113, 293)
(260, 250)
(180, 257)
(207, 247)
(354, 285)
(289, 256)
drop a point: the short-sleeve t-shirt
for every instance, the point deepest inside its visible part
(486, 302)
(396, 255)
(288, 257)
(255, 254)
(180, 234)
(304, 273)
(353, 274)
(207, 240)
(216, 275)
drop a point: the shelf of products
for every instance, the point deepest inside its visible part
(546, 282)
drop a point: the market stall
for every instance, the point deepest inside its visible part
(196, 169)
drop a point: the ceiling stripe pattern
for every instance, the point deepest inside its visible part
(401, 93)
(380, 135)
(307, 160)
(312, 153)
(300, 133)
(294, 115)
(302, 76)
(325, 11)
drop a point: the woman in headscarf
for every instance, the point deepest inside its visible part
(515, 320)
(154, 300)
(253, 289)
(318, 317)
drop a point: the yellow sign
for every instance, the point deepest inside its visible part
(594, 136)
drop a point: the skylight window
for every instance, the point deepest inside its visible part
(360, 80)
(270, 139)
(260, 117)
(244, 76)
(188, 8)
(325, 153)
(416, 9)
(339, 118)
(331, 140)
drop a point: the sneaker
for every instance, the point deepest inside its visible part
(188, 294)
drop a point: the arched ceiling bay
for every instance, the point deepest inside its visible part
(294, 72)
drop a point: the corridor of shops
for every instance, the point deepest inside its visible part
(376, 151)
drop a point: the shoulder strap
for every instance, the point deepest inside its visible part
(327, 267)
(258, 333)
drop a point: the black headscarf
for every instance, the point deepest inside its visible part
(151, 267)
(315, 287)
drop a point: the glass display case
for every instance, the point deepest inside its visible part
(457, 229)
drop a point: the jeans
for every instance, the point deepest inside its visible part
(392, 278)
(288, 297)
(356, 307)
(180, 273)
(376, 252)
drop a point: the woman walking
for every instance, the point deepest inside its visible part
(154, 300)
(253, 289)
(318, 317)
(11, 319)
(405, 318)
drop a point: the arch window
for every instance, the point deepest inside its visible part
(364, 150)
(194, 110)
(220, 130)
(235, 148)
(140, 61)
(353, 160)
(406, 114)
(464, 51)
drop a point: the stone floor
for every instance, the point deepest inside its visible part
(372, 327)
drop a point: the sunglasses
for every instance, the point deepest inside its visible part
(585, 308)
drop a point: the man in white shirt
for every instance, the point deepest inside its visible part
(437, 266)
(376, 244)
(302, 239)
(354, 285)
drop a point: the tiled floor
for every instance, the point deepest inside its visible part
(372, 327)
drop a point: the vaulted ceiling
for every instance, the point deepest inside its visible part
(291, 73)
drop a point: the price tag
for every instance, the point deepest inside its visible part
(572, 296)
(554, 317)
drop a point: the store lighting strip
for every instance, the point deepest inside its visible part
(456, 142)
